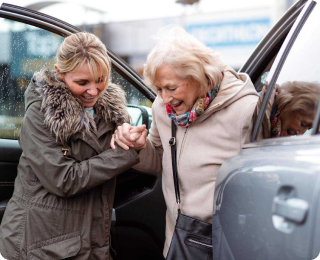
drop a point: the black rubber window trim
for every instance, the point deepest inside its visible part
(46, 24)
(38, 15)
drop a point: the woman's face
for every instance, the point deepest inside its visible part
(83, 85)
(180, 93)
(295, 123)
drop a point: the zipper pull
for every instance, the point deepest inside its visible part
(64, 150)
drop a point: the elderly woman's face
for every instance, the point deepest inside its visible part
(83, 85)
(295, 123)
(180, 93)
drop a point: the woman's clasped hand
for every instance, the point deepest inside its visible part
(127, 136)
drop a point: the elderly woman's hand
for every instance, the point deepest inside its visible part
(139, 134)
(129, 136)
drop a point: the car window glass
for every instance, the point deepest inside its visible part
(24, 50)
(261, 81)
(134, 97)
(295, 97)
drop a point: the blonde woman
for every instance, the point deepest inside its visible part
(212, 107)
(64, 191)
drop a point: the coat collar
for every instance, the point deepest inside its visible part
(65, 115)
(234, 86)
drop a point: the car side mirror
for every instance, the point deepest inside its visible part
(140, 115)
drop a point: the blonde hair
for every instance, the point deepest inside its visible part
(84, 48)
(188, 56)
(299, 96)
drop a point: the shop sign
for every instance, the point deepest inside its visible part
(230, 33)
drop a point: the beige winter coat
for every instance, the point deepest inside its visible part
(63, 195)
(201, 149)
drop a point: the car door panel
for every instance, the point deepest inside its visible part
(10, 154)
(315, 253)
(139, 231)
(249, 194)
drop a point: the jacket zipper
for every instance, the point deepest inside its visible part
(182, 146)
(199, 243)
(91, 130)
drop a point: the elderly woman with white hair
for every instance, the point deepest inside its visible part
(212, 107)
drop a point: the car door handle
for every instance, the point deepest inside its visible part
(293, 209)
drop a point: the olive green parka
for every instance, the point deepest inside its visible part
(63, 195)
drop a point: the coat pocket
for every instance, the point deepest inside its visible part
(56, 248)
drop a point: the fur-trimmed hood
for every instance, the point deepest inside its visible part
(65, 115)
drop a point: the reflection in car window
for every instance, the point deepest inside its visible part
(24, 50)
(295, 97)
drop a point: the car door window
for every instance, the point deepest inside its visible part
(138, 103)
(24, 50)
(134, 96)
(293, 103)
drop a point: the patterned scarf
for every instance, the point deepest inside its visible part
(276, 124)
(197, 110)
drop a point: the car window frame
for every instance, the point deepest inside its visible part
(59, 27)
(52, 24)
(276, 69)
(268, 48)
(316, 123)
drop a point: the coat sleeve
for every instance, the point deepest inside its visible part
(62, 175)
(151, 156)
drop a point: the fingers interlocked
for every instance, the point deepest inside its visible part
(129, 136)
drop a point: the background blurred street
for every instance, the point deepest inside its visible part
(232, 28)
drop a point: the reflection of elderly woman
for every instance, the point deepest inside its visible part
(212, 106)
(294, 108)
